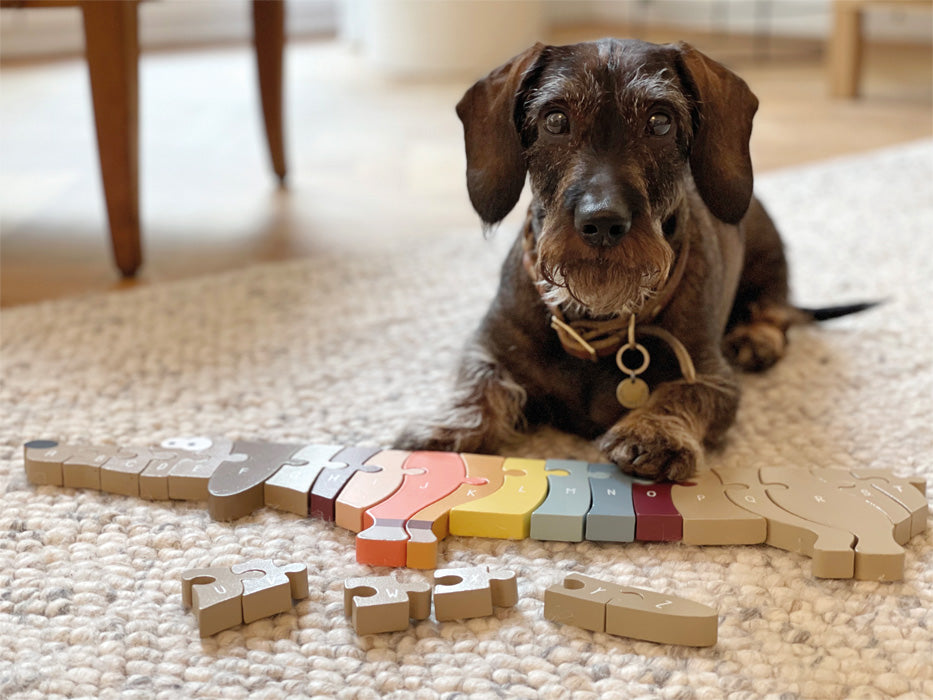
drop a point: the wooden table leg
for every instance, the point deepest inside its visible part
(845, 49)
(269, 37)
(112, 49)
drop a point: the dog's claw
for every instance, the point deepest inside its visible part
(651, 447)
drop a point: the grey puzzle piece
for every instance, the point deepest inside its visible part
(612, 515)
(562, 516)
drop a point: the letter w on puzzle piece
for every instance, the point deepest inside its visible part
(471, 592)
(381, 604)
(224, 597)
(600, 606)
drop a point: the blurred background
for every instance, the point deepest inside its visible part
(372, 146)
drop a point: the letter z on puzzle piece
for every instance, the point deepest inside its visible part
(600, 606)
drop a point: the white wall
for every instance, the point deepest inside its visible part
(46, 31)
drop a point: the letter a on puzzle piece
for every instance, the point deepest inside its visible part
(472, 592)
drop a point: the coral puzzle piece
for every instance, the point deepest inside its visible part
(600, 606)
(562, 516)
(878, 556)
(709, 517)
(289, 488)
(611, 517)
(470, 592)
(378, 604)
(366, 489)
(505, 514)
(432, 524)
(429, 476)
(224, 597)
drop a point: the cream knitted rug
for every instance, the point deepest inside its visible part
(337, 350)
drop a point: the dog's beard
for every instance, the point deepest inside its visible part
(616, 282)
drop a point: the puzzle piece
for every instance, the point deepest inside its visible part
(470, 592)
(909, 494)
(289, 488)
(366, 489)
(198, 459)
(332, 480)
(587, 602)
(657, 520)
(429, 476)
(224, 597)
(562, 516)
(43, 460)
(611, 517)
(847, 484)
(709, 517)
(878, 557)
(505, 514)
(120, 474)
(829, 547)
(432, 524)
(273, 591)
(381, 604)
(81, 470)
(235, 488)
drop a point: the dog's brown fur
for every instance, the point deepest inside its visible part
(694, 181)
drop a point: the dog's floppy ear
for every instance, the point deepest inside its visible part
(495, 164)
(719, 158)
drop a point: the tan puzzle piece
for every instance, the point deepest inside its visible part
(215, 595)
(843, 480)
(470, 592)
(272, 592)
(289, 489)
(600, 606)
(711, 518)
(381, 604)
(120, 474)
(909, 493)
(82, 468)
(829, 547)
(878, 557)
(236, 488)
(43, 460)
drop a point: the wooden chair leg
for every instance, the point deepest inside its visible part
(269, 37)
(112, 51)
(845, 49)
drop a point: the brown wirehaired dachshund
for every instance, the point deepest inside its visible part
(645, 270)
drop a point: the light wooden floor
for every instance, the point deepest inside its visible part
(368, 159)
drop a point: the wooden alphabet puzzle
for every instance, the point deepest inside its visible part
(224, 597)
(852, 523)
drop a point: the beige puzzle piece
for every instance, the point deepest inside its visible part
(843, 480)
(381, 604)
(600, 606)
(43, 460)
(120, 474)
(289, 489)
(273, 591)
(829, 547)
(878, 557)
(215, 595)
(470, 592)
(82, 468)
(711, 518)
(910, 493)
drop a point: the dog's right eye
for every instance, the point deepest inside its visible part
(556, 123)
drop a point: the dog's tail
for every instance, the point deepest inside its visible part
(826, 313)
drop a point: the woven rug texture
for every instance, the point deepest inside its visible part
(331, 349)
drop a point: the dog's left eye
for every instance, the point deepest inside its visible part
(556, 123)
(659, 123)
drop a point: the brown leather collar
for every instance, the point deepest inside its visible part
(590, 339)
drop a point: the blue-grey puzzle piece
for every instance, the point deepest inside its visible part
(562, 515)
(612, 516)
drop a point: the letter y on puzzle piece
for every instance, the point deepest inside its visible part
(586, 602)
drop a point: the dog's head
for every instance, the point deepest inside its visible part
(609, 133)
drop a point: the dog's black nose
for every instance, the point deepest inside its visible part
(602, 224)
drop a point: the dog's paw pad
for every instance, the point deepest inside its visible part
(656, 447)
(755, 347)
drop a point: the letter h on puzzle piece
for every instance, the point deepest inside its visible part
(224, 597)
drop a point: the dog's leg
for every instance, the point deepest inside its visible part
(665, 438)
(485, 411)
(757, 333)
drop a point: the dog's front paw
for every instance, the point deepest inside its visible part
(653, 446)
